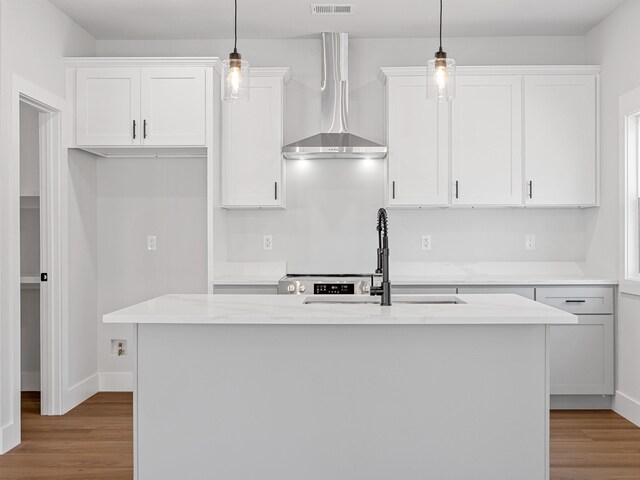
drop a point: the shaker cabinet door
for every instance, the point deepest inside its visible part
(108, 106)
(486, 140)
(173, 106)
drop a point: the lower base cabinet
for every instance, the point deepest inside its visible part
(582, 357)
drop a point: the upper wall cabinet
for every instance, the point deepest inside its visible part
(513, 136)
(418, 164)
(252, 139)
(140, 105)
(108, 106)
(486, 140)
(173, 106)
(561, 130)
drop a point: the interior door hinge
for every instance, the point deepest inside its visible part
(44, 277)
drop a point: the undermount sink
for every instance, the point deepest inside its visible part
(395, 299)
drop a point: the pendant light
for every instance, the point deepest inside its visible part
(236, 74)
(441, 73)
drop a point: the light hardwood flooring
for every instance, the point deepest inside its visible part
(95, 442)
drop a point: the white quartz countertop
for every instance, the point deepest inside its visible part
(480, 309)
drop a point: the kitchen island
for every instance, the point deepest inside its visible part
(283, 388)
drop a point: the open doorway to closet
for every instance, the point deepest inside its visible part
(30, 250)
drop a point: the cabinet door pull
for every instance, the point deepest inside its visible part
(574, 301)
(144, 129)
(393, 190)
(134, 129)
(275, 193)
(530, 188)
(457, 189)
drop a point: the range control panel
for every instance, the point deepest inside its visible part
(325, 285)
(334, 288)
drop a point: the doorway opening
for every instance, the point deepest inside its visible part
(30, 250)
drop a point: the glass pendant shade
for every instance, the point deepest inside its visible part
(236, 77)
(441, 78)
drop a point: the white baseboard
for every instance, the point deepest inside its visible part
(116, 382)
(9, 437)
(81, 391)
(627, 407)
(30, 381)
(580, 402)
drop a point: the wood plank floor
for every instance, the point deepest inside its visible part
(95, 442)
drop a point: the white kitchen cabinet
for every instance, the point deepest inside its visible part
(561, 140)
(140, 106)
(582, 356)
(486, 140)
(252, 139)
(173, 106)
(108, 106)
(417, 137)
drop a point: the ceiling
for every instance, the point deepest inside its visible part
(209, 19)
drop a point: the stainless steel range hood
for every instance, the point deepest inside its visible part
(335, 141)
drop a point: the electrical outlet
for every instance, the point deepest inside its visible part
(267, 242)
(151, 242)
(118, 347)
(530, 241)
(426, 242)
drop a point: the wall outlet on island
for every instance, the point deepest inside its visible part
(267, 242)
(118, 347)
(530, 241)
(426, 242)
(151, 242)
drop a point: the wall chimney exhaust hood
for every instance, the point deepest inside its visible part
(335, 141)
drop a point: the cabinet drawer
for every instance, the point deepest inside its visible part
(526, 292)
(580, 300)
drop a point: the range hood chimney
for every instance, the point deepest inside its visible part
(335, 141)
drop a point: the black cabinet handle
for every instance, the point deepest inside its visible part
(275, 193)
(144, 129)
(393, 190)
(457, 189)
(530, 188)
(575, 301)
(134, 129)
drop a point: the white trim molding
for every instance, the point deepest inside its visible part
(80, 392)
(386, 72)
(627, 407)
(116, 381)
(79, 62)
(629, 126)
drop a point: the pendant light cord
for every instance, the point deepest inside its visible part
(235, 27)
(440, 25)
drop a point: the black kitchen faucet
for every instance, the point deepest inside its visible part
(384, 289)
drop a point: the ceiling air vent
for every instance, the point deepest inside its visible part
(331, 9)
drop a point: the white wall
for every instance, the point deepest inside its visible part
(614, 43)
(166, 197)
(34, 36)
(317, 233)
(83, 274)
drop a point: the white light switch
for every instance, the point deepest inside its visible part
(267, 242)
(151, 242)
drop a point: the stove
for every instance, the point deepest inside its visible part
(339, 284)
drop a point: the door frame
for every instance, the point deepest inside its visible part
(51, 108)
